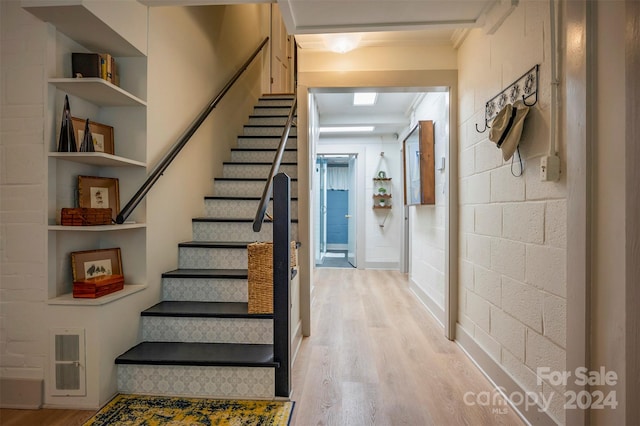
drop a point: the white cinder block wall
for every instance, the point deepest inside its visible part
(427, 223)
(512, 286)
(23, 200)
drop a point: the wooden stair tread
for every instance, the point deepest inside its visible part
(264, 137)
(199, 354)
(207, 273)
(202, 310)
(261, 149)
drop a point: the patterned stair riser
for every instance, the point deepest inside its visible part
(212, 258)
(256, 170)
(266, 111)
(269, 120)
(236, 188)
(262, 157)
(265, 143)
(239, 231)
(267, 131)
(197, 381)
(204, 289)
(239, 209)
(207, 330)
(285, 102)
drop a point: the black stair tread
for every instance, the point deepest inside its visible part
(214, 244)
(286, 115)
(232, 220)
(202, 310)
(254, 163)
(264, 137)
(260, 149)
(204, 354)
(249, 179)
(269, 126)
(207, 273)
(231, 197)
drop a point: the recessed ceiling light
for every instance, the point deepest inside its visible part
(345, 129)
(365, 98)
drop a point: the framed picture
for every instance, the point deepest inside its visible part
(99, 193)
(101, 133)
(95, 263)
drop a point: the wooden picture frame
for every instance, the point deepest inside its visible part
(99, 192)
(102, 135)
(95, 263)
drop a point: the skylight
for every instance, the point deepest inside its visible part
(365, 98)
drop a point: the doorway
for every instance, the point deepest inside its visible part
(336, 205)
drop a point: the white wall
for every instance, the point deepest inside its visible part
(512, 229)
(427, 222)
(23, 198)
(377, 247)
(193, 51)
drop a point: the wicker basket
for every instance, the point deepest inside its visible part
(260, 276)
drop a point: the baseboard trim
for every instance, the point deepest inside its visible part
(24, 394)
(436, 311)
(500, 379)
(392, 266)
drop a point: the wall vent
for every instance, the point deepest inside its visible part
(68, 368)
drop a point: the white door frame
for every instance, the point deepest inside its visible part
(396, 79)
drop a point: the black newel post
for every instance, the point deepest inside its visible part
(282, 282)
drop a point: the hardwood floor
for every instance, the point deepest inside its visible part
(375, 357)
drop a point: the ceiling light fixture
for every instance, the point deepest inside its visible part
(365, 98)
(341, 43)
(346, 129)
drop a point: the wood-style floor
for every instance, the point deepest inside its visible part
(375, 357)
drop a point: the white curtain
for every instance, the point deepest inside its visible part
(337, 178)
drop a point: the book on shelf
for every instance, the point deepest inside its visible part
(92, 65)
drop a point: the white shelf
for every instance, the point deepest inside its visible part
(68, 299)
(97, 228)
(72, 18)
(97, 159)
(97, 91)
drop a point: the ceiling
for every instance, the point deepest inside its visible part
(389, 116)
(331, 16)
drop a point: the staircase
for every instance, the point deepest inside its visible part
(200, 340)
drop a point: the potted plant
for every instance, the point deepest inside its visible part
(382, 190)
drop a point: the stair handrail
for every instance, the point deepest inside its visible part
(175, 149)
(268, 187)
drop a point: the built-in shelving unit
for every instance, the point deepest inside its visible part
(108, 322)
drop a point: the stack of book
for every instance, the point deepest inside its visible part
(92, 65)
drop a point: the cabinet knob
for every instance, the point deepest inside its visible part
(348, 216)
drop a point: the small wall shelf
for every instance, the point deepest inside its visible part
(97, 159)
(68, 299)
(97, 228)
(97, 91)
(382, 199)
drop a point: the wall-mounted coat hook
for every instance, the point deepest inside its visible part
(526, 87)
(486, 126)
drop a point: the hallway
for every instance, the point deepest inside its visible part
(376, 356)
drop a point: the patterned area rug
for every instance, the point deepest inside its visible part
(138, 410)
